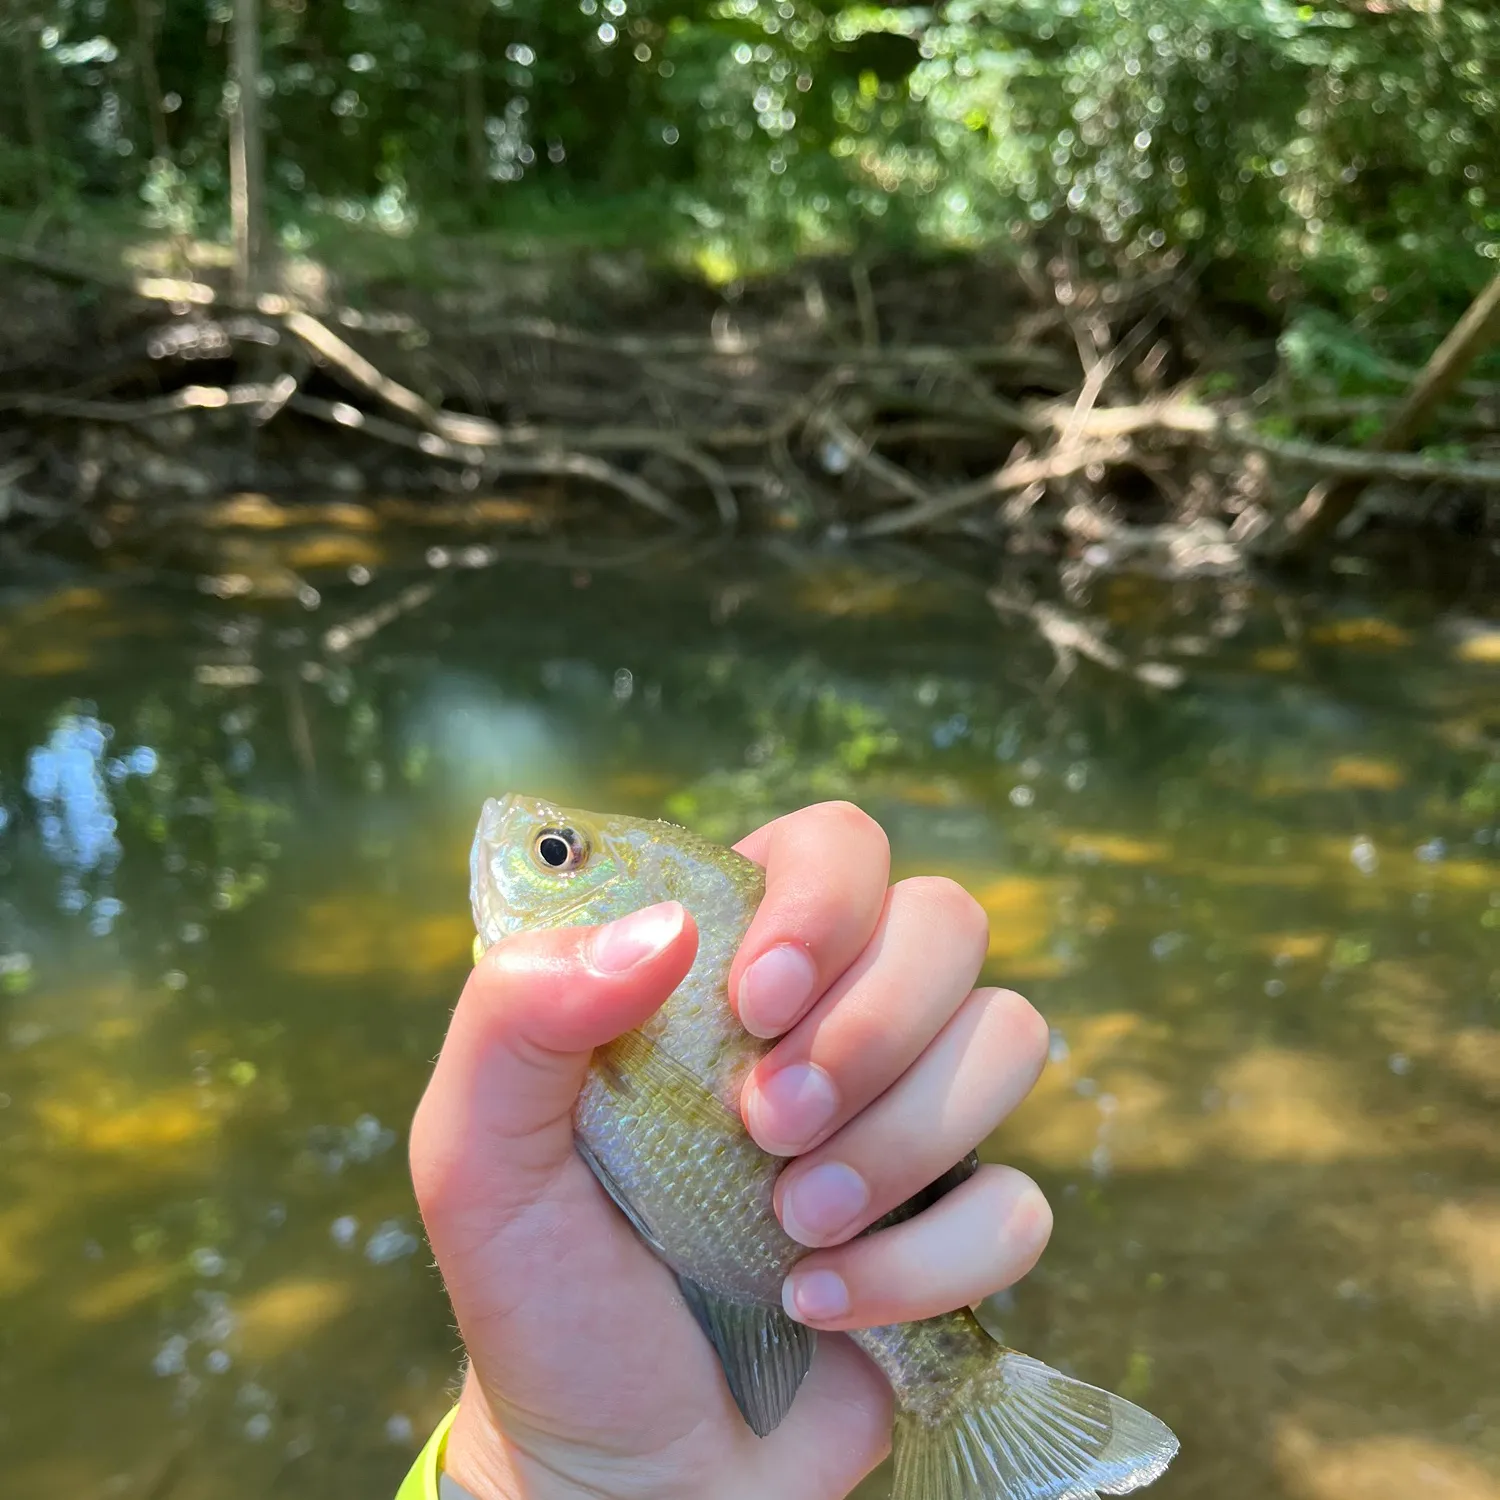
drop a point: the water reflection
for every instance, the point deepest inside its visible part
(1260, 915)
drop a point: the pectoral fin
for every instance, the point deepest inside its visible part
(764, 1353)
(618, 1197)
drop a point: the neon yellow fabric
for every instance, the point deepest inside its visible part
(422, 1482)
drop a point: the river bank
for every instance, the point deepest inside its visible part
(1012, 405)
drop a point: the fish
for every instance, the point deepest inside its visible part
(658, 1124)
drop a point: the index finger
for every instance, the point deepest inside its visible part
(827, 867)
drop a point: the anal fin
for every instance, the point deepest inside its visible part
(764, 1353)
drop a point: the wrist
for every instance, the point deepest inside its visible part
(477, 1457)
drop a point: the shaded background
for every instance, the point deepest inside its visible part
(1348, 147)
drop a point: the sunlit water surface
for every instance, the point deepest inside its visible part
(1260, 913)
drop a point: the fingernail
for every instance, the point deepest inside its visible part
(822, 1201)
(814, 1296)
(775, 989)
(633, 939)
(787, 1111)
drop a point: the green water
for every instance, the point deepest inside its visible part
(1260, 913)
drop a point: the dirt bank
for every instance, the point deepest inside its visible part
(1019, 405)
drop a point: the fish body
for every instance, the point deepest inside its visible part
(658, 1122)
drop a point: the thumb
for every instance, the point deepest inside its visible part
(496, 1122)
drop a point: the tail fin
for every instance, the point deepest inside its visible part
(1024, 1431)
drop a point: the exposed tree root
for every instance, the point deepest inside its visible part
(1085, 434)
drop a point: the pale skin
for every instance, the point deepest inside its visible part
(588, 1376)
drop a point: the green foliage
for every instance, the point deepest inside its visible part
(812, 742)
(1482, 799)
(1319, 350)
(1354, 151)
(1348, 151)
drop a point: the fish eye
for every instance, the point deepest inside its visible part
(559, 851)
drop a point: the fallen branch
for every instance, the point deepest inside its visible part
(1355, 408)
(670, 445)
(469, 432)
(742, 407)
(454, 428)
(1031, 358)
(556, 464)
(1175, 417)
(189, 398)
(341, 638)
(1070, 636)
(1232, 430)
(1014, 476)
(862, 456)
(1327, 504)
(1179, 549)
(1111, 427)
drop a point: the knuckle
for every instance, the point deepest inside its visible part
(954, 907)
(851, 821)
(431, 1184)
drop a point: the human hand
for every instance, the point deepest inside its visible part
(588, 1375)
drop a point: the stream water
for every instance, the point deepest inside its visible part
(1260, 913)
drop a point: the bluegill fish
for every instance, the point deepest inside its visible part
(658, 1122)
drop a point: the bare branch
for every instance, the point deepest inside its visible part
(1015, 476)
(1072, 636)
(189, 398)
(1180, 418)
(558, 463)
(1023, 357)
(475, 431)
(341, 638)
(1327, 504)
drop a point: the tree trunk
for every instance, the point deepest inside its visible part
(1328, 503)
(477, 140)
(247, 170)
(150, 79)
(36, 112)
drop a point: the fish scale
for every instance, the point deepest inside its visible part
(738, 1249)
(658, 1123)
